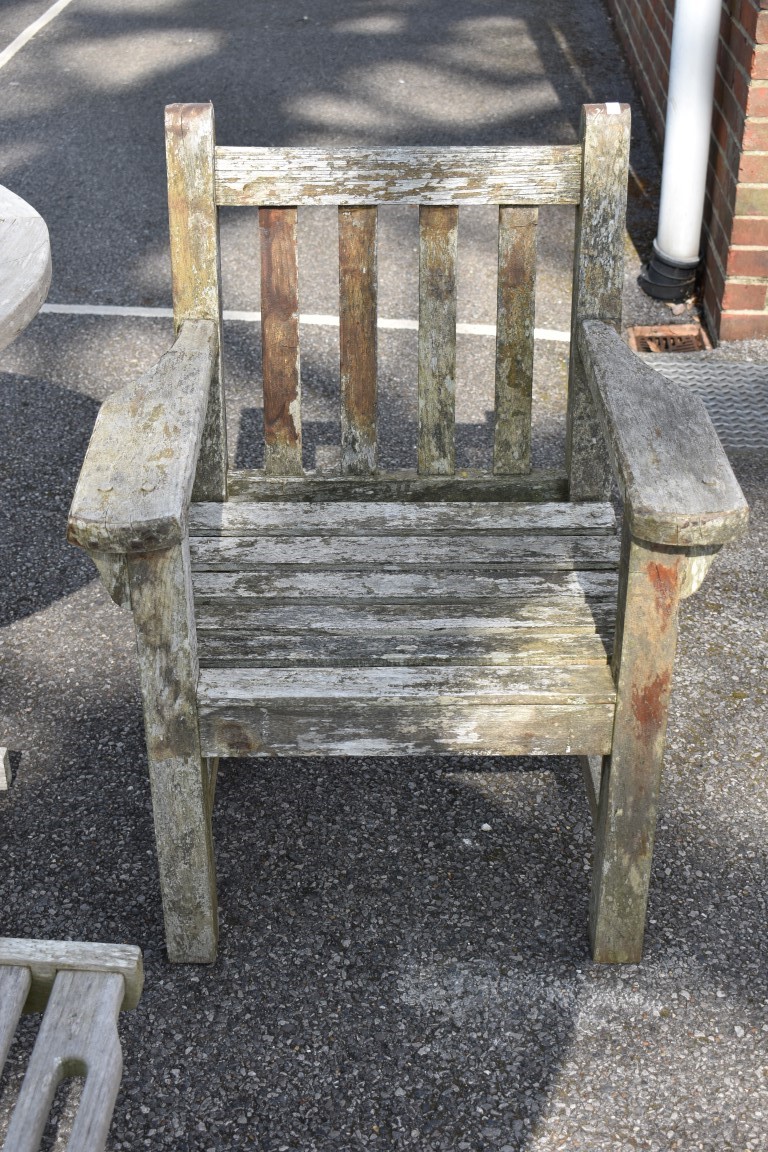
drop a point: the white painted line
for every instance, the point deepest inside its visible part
(105, 310)
(316, 320)
(31, 30)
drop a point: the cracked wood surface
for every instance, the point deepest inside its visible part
(282, 177)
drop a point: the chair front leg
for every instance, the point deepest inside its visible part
(651, 584)
(181, 780)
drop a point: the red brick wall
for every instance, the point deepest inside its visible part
(736, 209)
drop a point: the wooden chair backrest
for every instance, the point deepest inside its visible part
(592, 175)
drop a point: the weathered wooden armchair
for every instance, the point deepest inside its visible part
(284, 613)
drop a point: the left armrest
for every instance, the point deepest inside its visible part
(136, 482)
(678, 486)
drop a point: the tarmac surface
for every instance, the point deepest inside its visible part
(392, 973)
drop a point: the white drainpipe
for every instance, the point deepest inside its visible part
(671, 273)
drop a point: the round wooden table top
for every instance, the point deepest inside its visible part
(25, 264)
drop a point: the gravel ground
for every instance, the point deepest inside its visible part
(403, 958)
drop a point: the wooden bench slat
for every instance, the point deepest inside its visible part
(352, 518)
(358, 338)
(280, 341)
(531, 684)
(372, 729)
(513, 554)
(529, 596)
(404, 485)
(229, 648)
(438, 237)
(427, 175)
(514, 339)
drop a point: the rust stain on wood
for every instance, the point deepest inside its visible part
(649, 704)
(665, 579)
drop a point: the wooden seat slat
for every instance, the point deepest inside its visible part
(230, 647)
(352, 728)
(448, 553)
(356, 518)
(327, 587)
(405, 485)
(505, 686)
(564, 601)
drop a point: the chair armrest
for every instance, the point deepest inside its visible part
(677, 484)
(135, 485)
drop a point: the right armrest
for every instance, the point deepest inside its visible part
(135, 485)
(676, 481)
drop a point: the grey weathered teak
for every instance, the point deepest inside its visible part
(280, 612)
(80, 988)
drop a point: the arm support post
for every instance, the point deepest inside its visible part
(681, 504)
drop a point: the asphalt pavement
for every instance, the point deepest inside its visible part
(403, 958)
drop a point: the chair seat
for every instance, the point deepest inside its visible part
(372, 628)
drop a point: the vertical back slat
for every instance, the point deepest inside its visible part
(194, 236)
(280, 341)
(514, 340)
(438, 233)
(598, 281)
(357, 338)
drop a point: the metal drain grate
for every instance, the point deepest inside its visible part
(735, 395)
(668, 338)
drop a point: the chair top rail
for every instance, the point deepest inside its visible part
(284, 177)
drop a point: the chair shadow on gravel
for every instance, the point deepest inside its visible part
(402, 942)
(390, 933)
(45, 434)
